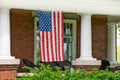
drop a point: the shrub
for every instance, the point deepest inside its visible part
(46, 73)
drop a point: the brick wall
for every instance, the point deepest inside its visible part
(22, 35)
(99, 36)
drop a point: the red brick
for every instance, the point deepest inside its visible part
(8, 72)
(99, 36)
(86, 67)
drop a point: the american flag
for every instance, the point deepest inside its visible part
(51, 36)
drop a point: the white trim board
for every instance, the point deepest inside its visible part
(107, 7)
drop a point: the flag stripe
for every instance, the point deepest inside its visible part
(49, 43)
(51, 47)
(62, 24)
(42, 48)
(59, 37)
(62, 37)
(55, 36)
(52, 40)
(45, 49)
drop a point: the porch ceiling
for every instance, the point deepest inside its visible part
(107, 7)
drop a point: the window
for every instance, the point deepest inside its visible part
(118, 42)
(69, 40)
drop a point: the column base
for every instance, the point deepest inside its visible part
(86, 58)
(9, 61)
(114, 64)
(86, 64)
(7, 57)
(8, 69)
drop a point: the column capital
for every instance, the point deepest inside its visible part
(84, 14)
(4, 10)
(111, 23)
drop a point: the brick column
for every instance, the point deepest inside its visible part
(8, 63)
(8, 69)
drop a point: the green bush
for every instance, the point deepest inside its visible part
(48, 74)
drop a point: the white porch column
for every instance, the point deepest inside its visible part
(5, 34)
(8, 64)
(111, 43)
(86, 39)
(86, 43)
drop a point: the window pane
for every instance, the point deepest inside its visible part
(68, 29)
(68, 48)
